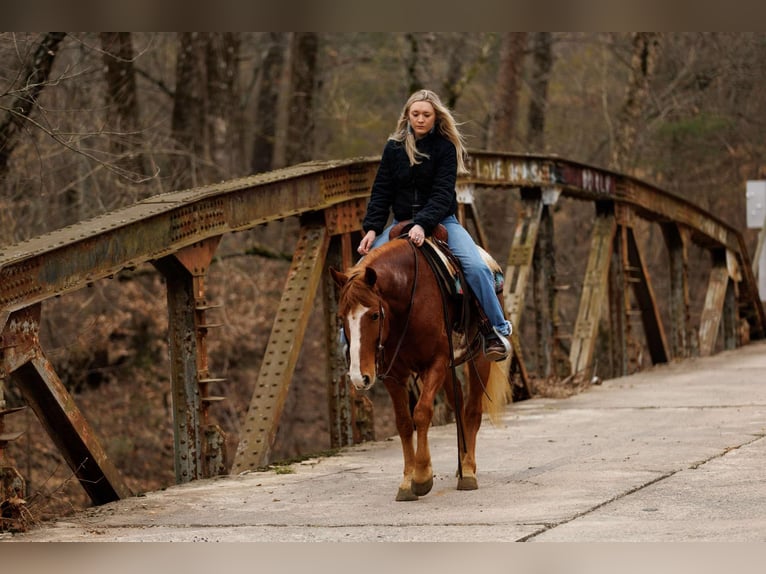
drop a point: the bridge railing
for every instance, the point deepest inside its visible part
(179, 233)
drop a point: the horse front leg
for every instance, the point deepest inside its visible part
(400, 399)
(423, 476)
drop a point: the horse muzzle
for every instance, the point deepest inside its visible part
(362, 382)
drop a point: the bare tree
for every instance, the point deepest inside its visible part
(460, 70)
(506, 102)
(122, 99)
(266, 108)
(204, 107)
(299, 143)
(224, 114)
(189, 108)
(542, 62)
(642, 67)
(33, 78)
(414, 77)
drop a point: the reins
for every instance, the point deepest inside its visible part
(379, 358)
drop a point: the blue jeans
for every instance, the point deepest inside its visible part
(479, 277)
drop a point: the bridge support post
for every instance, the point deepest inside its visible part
(27, 367)
(199, 445)
(683, 337)
(262, 418)
(517, 272)
(720, 303)
(593, 291)
(340, 403)
(642, 289)
(619, 308)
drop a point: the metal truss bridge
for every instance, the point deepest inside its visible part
(178, 233)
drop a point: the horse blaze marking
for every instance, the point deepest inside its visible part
(355, 345)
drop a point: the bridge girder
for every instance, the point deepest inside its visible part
(178, 233)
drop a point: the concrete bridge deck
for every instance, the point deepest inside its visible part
(676, 453)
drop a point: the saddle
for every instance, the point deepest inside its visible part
(449, 272)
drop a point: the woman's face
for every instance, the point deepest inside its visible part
(422, 118)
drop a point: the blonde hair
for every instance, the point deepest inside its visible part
(445, 123)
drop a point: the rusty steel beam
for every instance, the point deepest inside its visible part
(262, 418)
(581, 181)
(647, 302)
(586, 182)
(73, 257)
(715, 297)
(551, 358)
(339, 399)
(682, 333)
(467, 210)
(731, 319)
(29, 369)
(165, 227)
(619, 307)
(594, 288)
(197, 442)
(519, 265)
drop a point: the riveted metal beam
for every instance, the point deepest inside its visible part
(197, 443)
(594, 289)
(339, 399)
(519, 264)
(262, 418)
(647, 303)
(683, 337)
(44, 392)
(710, 320)
(160, 227)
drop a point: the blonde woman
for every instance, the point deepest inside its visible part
(416, 181)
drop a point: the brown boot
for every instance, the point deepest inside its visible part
(496, 346)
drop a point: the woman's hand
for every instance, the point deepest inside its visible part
(417, 235)
(366, 243)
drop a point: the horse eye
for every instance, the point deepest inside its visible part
(375, 316)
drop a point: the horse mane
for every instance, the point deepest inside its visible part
(356, 291)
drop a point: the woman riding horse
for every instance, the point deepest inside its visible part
(416, 180)
(397, 321)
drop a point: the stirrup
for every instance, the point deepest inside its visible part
(497, 354)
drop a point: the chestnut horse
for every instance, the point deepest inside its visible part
(393, 313)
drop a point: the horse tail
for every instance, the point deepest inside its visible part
(497, 392)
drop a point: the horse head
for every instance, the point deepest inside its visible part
(364, 315)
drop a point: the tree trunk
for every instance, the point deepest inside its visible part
(35, 76)
(267, 105)
(461, 73)
(224, 117)
(122, 102)
(642, 67)
(189, 109)
(542, 59)
(299, 146)
(503, 126)
(414, 78)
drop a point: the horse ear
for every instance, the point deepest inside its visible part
(339, 278)
(370, 277)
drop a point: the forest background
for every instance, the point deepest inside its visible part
(90, 122)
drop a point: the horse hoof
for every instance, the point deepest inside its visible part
(423, 488)
(467, 483)
(405, 495)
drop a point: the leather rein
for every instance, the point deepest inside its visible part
(380, 351)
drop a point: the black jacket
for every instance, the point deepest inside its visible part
(424, 192)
